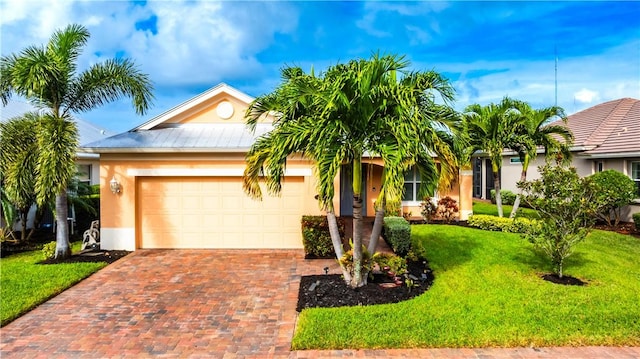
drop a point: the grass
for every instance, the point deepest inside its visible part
(488, 293)
(492, 210)
(26, 284)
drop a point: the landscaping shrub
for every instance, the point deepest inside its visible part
(428, 209)
(397, 233)
(502, 224)
(316, 238)
(49, 250)
(447, 209)
(636, 220)
(613, 190)
(508, 197)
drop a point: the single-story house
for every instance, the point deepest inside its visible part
(606, 136)
(178, 182)
(88, 163)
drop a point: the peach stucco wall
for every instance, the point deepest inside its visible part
(118, 211)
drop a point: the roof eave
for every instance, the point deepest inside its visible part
(163, 150)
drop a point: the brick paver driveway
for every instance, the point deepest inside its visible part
(201, 303)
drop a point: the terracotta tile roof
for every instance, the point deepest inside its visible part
(608, 128)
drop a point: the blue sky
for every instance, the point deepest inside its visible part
(488, 50)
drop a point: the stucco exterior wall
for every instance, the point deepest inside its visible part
(118, 211)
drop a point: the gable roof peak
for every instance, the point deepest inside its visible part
(193, 102)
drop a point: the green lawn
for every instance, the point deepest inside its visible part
(492, 210)
(487, 293)
(25, 284)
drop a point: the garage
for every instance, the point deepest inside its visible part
(214, 212)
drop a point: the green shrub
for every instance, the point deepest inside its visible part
(636, 220)
(613, 190)
(502, 224)
(428, 209)
(49, 250)
(394, 264)
(316, 238)
(397, 233)
(508, 197)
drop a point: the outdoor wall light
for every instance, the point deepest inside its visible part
(114, 185)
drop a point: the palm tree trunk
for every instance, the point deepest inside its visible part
(358, 275)
(376, 231)
(516, 203)
(334, 232)
(496, 185)
(63, 250)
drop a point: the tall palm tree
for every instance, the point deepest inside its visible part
(18, 161)
(492, 128)
(47, 77)
(335, 118)
(537, 132)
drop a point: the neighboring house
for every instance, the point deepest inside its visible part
(180, 182)
(88, 163)
(606, 136)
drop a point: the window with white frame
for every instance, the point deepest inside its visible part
(411, 185)
(635, 175)
(599, 166)
(84, 174)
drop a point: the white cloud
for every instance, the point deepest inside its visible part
(586, 96)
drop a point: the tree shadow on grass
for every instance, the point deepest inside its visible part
(540, 262)
(447, 252)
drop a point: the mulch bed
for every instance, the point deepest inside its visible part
(91, 255)
(565, 280)
(331, 291)
(627, 228)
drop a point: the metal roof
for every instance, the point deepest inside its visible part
(211, 137)
(87, 131)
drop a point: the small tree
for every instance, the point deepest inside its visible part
(613, 190)
(565, 203)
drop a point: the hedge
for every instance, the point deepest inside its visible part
(508, 197)
(502, 224)
(397, 233)
(316, 238)
(636, 220)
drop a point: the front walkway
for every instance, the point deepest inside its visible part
(202, 303)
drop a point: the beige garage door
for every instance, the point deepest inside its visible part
(214, 212)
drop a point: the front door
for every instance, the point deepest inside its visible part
(477, 177)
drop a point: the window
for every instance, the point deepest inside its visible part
(635, 175)
(411, 186)
(599, 166)
(84, 174)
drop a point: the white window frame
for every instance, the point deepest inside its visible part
(635, 174)
(415, 185)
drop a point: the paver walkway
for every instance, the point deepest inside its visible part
(202, 303)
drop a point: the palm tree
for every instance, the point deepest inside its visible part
(335, 118)
(47, 77)
(18, 161)
(492, 128)
(537, 132)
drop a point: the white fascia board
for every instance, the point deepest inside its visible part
(194, 101)
(87, 156)
(163, 150)
(611, 155)
(206, 172)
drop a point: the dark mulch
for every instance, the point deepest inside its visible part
(565, 280)
(331, 290)
(89, 256)
(628, 228)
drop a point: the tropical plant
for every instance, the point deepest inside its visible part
(614, 190)
(492, 128)
(566, 205)
(18, 160)
(447, 209)
(536, 131)
(47, 77)
(428, 209)
(9, 215)
(373, 107)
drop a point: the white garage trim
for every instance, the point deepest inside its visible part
(118, 239)
(206, 172)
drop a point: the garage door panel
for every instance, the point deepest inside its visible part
(214, 212)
